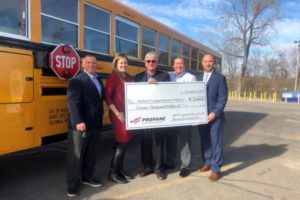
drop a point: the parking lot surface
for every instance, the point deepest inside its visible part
(261, 161)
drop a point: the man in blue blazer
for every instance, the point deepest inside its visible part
(85, 103)
(212, 133)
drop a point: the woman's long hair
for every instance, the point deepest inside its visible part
(118, 57)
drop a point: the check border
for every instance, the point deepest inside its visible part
(186, 93)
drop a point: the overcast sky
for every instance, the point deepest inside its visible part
(187, 16)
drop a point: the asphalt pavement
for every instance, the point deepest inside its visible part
(261, 161)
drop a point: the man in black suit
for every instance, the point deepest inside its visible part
(85, 103)
(152, 140)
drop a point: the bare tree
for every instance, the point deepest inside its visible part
(230, 67)
(246, 23)
(291, 56)
(277, 71)
(255, 67)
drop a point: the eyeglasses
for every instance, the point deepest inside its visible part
(150, 61)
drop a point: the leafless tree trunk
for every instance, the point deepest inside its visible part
(254, 67)
(245, 23)
(230, 64)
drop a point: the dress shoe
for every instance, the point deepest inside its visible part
(204, 168)
(125, 175)
(184, 172)
(92, 183)
(213, 177)
(117, 178)
(145, 172)
(160, 175)
(72, 192)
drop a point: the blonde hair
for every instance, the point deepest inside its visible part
(115, 65)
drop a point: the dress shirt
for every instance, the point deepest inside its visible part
(206, 76)
(183, 77)
(149, 76)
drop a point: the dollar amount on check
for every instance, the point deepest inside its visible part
(165, 104)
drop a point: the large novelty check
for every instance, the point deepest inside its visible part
(165, 104)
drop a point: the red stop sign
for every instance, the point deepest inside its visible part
(64, 61)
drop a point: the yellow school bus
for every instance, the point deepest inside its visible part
(33, 104)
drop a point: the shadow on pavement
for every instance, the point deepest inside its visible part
(237, 123)
(248, 155)
(40, 173)
(235, 126)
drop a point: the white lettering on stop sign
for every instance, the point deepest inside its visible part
(65, 61)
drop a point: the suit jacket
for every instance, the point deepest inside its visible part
(84, 102)
(216, 89)
(159, 76)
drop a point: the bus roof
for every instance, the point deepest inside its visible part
(151, 23)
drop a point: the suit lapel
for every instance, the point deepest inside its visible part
(87, 78)
(90, 82)
(145, 78)
(211, 79)
(101, 85)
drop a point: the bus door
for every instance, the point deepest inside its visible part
(16, 100)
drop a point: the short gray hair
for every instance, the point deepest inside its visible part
(150, 53)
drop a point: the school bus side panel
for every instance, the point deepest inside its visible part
(51, 108)
(16, 100)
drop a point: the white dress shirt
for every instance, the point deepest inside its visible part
(206, 76)
(183, 77)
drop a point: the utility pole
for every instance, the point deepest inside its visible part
(298, 63)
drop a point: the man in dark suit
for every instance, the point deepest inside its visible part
(212, 133)
(152, 140)
(85, 103)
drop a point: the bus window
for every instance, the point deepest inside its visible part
(201, 54)
(194, 65)
(176, 49)
(13, 20)
(163, 49)
(194, 53)
(194, 59)
(60, 25)
(96, 32)
(186, 55)
(148, 42)
(126, 37)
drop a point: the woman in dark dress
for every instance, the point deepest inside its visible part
(114, 98)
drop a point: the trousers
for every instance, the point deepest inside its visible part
(82, 154)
